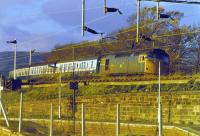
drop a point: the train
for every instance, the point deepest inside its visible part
(143, 62)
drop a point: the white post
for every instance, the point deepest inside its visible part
(15, 57)
(51, 121)
(1, 105)
(118, 120)
(159, 105)
(1, 89)
(83, 120)
(138, 21)
(60, 95)
(4, 114)
(20, 112)
(83, 17)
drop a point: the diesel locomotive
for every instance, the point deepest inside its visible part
(144, 62)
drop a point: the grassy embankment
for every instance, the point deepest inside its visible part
(50, 92)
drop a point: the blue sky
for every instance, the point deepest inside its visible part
(42, 24)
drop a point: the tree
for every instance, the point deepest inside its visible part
(162, 33)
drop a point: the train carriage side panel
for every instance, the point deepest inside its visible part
(136, 64)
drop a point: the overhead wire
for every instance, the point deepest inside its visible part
(100, 19)
(52, 34)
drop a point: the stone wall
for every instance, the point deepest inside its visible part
(178, 107)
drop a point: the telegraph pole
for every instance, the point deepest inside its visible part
(138, 21)
(83, 17)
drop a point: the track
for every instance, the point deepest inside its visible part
(124, 80)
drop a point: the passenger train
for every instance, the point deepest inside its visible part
(144, 62)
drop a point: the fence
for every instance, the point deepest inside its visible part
(95, 117)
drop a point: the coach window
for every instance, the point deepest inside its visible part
(107, 64)
(141, 58)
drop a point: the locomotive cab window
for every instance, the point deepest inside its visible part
(142, 58)
(107, 64)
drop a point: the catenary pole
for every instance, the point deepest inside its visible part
(158, 11)
(138, 21)
(74, 94)
(15, 57)
(83, 17)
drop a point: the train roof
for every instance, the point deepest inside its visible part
(138, 52)
(47, 63)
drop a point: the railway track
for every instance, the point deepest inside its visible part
(120, 79)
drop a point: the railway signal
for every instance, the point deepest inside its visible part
(84, 27)
(109, 9)
(165, 16)
(91, 30)
(15, 54)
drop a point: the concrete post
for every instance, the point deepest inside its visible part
(60, 95)
(20, 112)
(83, 120)
(51, 121)
(159, 104)
(4, 114)
(118, 120)
(160, 127)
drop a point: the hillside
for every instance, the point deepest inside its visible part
(6, 60)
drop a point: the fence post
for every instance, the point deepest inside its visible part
(60, 95)
(118, 120)
(83, 120)
(4, 113)
(51, 121)
(160, 128)
(20, 112)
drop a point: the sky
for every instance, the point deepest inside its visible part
(42, 24)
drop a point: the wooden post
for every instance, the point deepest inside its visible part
(83, 120)
(20, 112)
(118, 120)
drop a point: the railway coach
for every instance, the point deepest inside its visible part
(143, 62)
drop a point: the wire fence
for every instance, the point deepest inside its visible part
(100, 117)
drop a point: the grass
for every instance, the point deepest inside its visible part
(33, 93)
